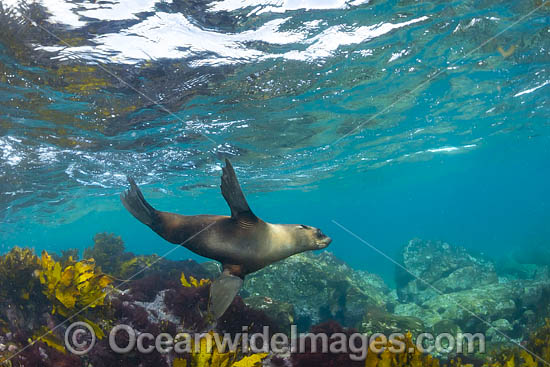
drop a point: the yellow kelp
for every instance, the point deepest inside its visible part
(534, 354)
(193, 282)
(410, 357)
(207, 355)
(77, 284)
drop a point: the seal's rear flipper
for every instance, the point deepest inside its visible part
(133, 200)
(222, 292)
(231, 191)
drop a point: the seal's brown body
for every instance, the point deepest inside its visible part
(242, 242)
(219, 238)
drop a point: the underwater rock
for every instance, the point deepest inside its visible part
(158, 311)
(468, 295)
(281, 313)
(490, 302)
(428, 316)
(445, 267)
(446, 326)
(377, 320)
(320, 287)
(500, 331)
(469, 309)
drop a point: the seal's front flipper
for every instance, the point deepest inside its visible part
(231, 191)
(222, 292)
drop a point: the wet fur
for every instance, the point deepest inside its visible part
(242, 242)
(227, 240)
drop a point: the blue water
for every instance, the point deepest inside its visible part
(396, 120)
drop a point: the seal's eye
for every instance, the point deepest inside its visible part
(303, 226)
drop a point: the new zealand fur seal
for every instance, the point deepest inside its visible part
(242, 242)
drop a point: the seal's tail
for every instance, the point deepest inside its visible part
(133, 200)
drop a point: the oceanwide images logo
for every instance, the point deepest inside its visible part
(80, 339)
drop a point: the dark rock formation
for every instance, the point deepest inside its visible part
(459, 291)
(438, 266)
(378, 320)
(281, 313)
(320, 287)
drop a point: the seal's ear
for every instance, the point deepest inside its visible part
(231, 191)
(222, 292)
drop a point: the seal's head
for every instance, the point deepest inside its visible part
(310, 238)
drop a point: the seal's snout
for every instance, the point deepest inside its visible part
(324, 242)
(322, 239)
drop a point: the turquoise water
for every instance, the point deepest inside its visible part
(396, 119)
